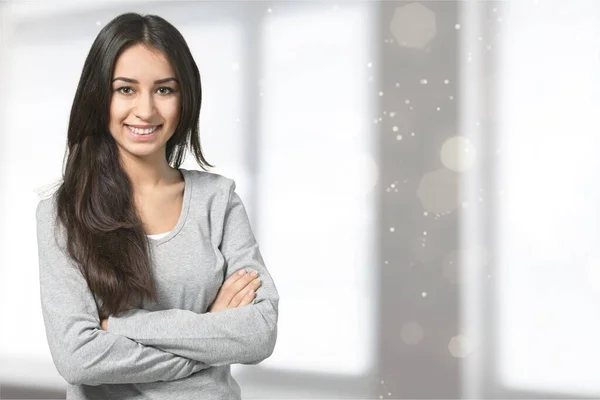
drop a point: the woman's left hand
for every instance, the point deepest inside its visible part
(104, 325)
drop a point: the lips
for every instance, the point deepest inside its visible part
(142, 126)
(142, 131)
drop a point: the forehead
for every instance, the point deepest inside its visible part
(142, 63)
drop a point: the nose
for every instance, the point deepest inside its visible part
(144, 107)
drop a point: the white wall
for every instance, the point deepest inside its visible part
(548, 236)
(316, 155)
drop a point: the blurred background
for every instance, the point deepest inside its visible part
(421, 178)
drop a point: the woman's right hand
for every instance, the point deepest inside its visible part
(237, 291)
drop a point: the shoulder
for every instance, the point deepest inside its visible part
(211, 182)
(46, 220)
(45, 210)
(46, 195)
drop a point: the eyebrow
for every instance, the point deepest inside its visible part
(134, 81)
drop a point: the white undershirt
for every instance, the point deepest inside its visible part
(158, 235)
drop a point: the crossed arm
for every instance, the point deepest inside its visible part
(144, 346)
(243, 335)
(83, 353)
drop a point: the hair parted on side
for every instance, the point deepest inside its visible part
(104, 234)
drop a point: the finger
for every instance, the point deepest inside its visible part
(237, 275)
(242, 273)
(240, 296)
(237, 299)
(243, 281)
(247, 299)
(235, 285)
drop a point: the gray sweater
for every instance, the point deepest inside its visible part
(173, 349)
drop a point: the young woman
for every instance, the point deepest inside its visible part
(142, 262)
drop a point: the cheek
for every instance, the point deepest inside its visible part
(170, 111)
(118, 111)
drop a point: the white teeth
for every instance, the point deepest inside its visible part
(142, 131)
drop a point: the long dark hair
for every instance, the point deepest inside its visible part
(105, 235)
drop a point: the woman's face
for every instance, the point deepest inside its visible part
(145, 94)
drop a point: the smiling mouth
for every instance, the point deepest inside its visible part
(139, 131)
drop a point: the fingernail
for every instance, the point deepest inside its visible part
(242, 271)
(254, 273)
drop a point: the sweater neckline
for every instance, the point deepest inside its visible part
(187, 194)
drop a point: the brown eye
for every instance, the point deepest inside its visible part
(120, 90)
(169, 90)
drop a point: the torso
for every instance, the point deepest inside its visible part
(160, 210)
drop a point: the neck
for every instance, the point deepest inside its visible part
(146, 176)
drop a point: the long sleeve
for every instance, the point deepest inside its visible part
(82, 352)
(242, 335)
